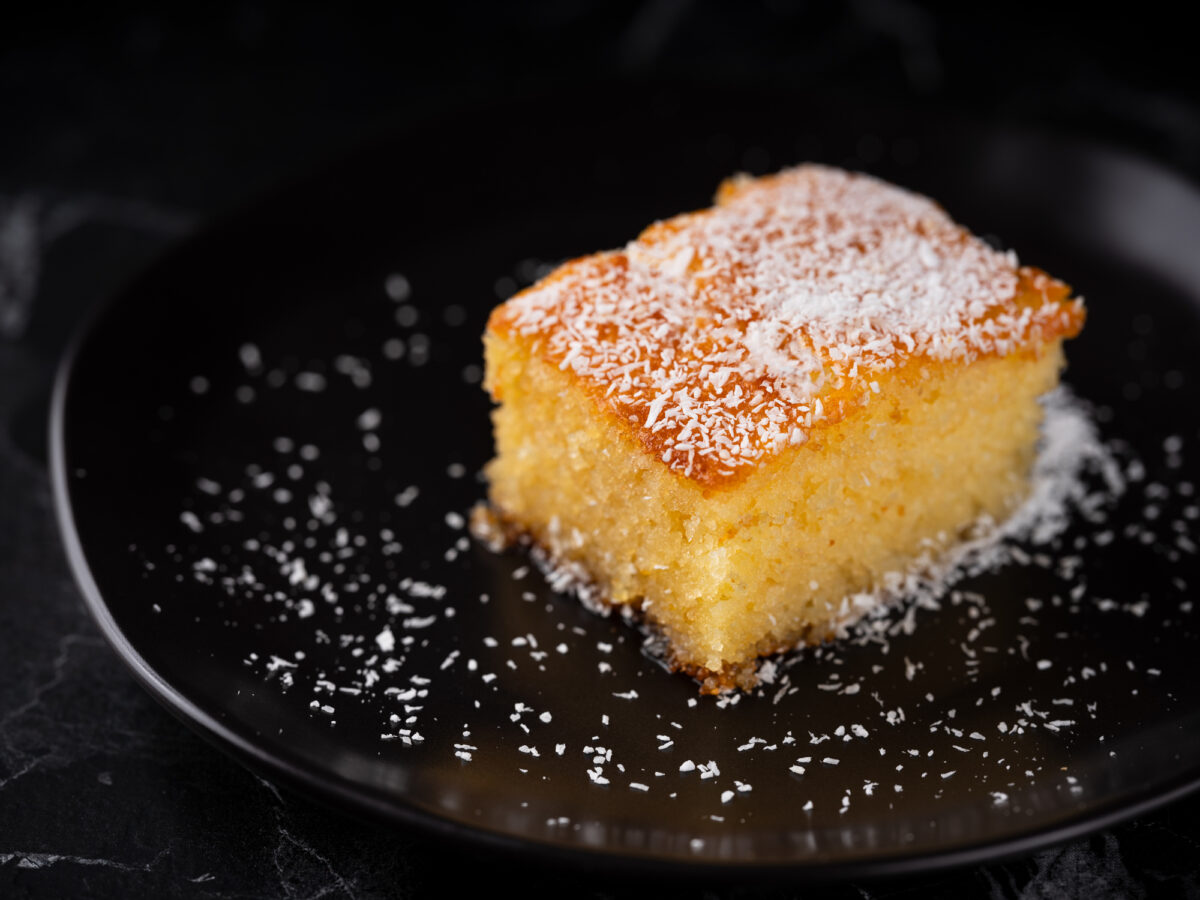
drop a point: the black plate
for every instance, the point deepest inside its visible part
(301, 383)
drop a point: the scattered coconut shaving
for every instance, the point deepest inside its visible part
(362, 623)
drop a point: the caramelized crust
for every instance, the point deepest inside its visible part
(720, 337)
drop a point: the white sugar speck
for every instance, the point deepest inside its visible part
(312, 382)
(397, 287)
(386, 640)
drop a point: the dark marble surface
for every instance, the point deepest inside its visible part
(124, 129)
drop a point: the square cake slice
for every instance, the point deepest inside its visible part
(755, 412)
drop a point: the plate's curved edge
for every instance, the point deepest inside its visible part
(228, 741)
(173, 700)
(345, 796)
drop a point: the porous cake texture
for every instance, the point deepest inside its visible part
(753, 414)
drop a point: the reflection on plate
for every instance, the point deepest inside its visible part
(266, 450)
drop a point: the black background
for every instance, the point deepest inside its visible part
(123, 127)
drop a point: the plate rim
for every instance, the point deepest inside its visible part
(350, 798)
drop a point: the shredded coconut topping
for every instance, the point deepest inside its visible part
(724, 335)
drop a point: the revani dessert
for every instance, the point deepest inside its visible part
(755, 412)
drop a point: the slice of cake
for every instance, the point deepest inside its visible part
(753, 412)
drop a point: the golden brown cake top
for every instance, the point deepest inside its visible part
(724, 335)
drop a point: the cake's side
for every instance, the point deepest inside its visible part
(753, 412)
(754, 565)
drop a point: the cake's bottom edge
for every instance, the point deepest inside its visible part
(499, 532)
